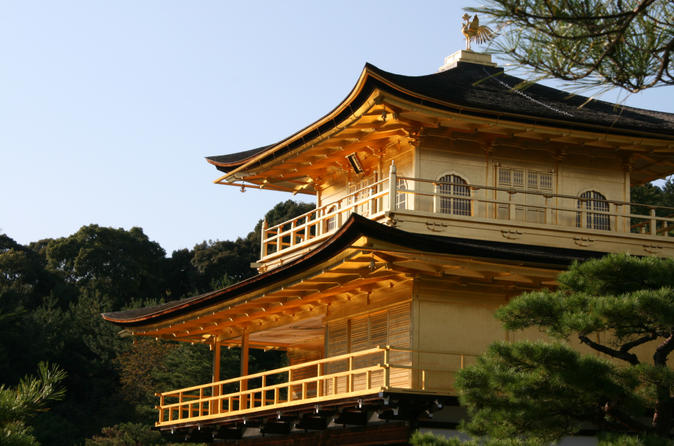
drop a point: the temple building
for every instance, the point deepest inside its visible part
(438, 199)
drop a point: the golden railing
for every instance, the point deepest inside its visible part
(428, 198)
(537, 207)
(323, 221)
(361, 373)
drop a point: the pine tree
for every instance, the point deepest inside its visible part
(622, 43)
(620, 307)
(18, 404)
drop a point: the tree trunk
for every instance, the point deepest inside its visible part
(664, 408)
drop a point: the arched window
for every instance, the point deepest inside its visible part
(596, 215)
(450, 190)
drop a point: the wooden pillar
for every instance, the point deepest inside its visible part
(216, 362)
(244, 369)
(214, 406)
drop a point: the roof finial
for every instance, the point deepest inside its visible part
(473, 31)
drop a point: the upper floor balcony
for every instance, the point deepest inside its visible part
(454, 208)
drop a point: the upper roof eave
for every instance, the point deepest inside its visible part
(471, 89)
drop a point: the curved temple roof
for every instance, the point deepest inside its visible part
(480, 91)
(356, 227)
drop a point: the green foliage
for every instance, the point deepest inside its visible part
(20, 403)
(623, 43)
(51, 295)
(427, 439)
(616, 306)
(216, 264)
(632, 440)
(126, 434)
(117, 264)
(419, 439)
(130, 434)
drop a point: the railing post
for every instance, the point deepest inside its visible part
(512, 211)
(292, 232)
(349, 377)
(161, 408)
(263, 397)
(320, 220)
(387, 368)
(180, 405)
(392, 187)
(583, 217)
(243, 383)
(548, 211)
(290, 386)
(653, 222)
(263, 239)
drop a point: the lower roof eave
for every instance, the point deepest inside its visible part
(355, 228)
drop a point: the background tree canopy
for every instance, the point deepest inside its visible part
(622, 43)
(51, 295)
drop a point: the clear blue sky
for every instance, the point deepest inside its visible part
(107, 108)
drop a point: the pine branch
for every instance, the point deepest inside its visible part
(624, 419)
(625, 356)
(637, 342)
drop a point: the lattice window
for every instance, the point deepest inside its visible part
(515, 177)
(387, 327)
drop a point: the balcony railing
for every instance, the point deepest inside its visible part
(351, 375)
(504, 205)
(323, 221)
